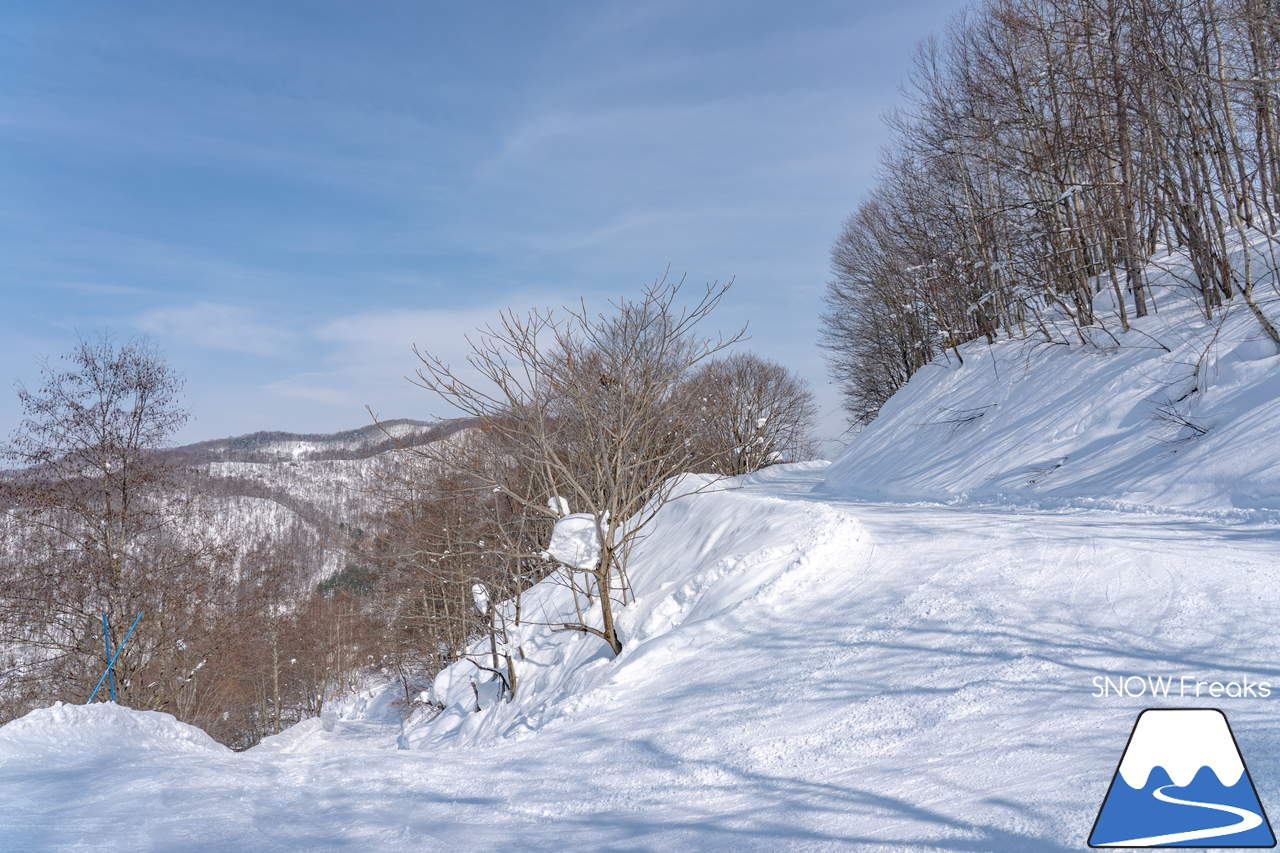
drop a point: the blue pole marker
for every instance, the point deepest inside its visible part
(106, 641)
(112, 662)
(1182, 782)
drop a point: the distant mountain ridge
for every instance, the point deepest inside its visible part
(299, 488)
(279, 446)
(304, 487)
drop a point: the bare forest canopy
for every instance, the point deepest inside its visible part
(1047, 152)
(242, 554)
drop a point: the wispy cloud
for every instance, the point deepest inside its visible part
(316, 388)
(392, 335)
(261, 193)
(222, 327)
(367, 359)
(90, 289)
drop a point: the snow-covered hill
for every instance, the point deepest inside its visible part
(802, 673)
(306, 502)
(302, 489)
(1180, 411)
(275, 446)
(807, 664)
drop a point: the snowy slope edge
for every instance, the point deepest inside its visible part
(707, 556)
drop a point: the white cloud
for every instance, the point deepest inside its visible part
(92, 289)
(385, 331)
(224, 327)
(314, 388)
(368, 360)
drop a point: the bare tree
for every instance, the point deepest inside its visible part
(440, 537)
(1047, 149)
(99, 526)
(588, 410)
(749, 413)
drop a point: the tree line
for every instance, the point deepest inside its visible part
(99, 522)
(1047, 151)
(99, 525)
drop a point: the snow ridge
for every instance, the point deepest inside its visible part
(736, 563)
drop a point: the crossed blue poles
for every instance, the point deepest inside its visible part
(111, 658)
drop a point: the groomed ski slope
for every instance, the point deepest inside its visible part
(817, 674)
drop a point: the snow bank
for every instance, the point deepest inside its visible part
(1179, 412)
(78, 731)
(303, 736)
(705, 556)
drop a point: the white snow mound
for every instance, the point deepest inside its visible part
(575, 541)
(80, 730)
(714, 554)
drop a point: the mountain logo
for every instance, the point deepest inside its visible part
(1181, 783)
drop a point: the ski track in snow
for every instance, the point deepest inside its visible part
(889, 677)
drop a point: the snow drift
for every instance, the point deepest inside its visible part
(712, 554)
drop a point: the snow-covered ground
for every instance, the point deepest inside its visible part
(901, 651)
(803, 673)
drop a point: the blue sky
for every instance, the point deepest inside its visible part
(288, 196)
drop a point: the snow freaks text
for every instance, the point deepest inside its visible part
(1179, 687)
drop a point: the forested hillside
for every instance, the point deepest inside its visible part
(242, 555)
(1050, 152)
(805, 665)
